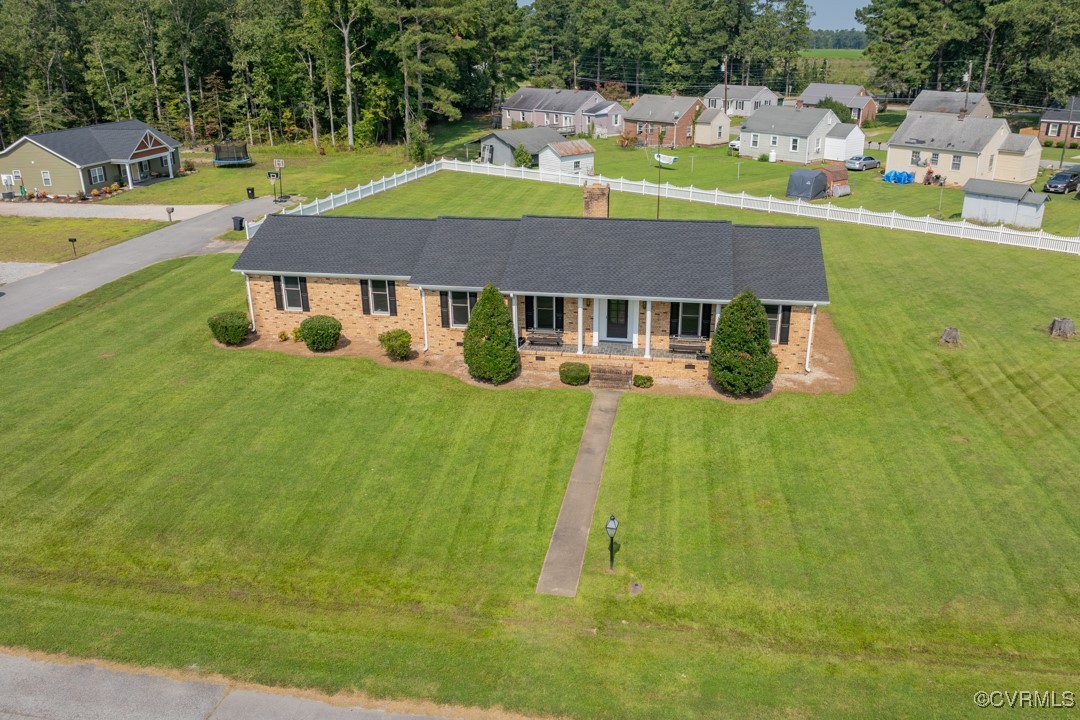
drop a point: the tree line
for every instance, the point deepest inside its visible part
(838, 39)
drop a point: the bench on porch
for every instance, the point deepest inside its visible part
(551, 338)
(688, 345)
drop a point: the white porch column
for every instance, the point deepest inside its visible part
(169, 162)
(632, 322)
(513, 312)
(596, 322)
(580, 325)
(131, 185)
(810, 338)
(648, 328)
(251, 306)
(423, 315)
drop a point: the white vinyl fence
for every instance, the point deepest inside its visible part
(1000, 234)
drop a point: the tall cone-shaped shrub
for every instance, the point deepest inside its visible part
(742, 361)
(490, 341)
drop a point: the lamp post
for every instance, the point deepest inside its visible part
(72, 241)
(674, 128)
(611, 527)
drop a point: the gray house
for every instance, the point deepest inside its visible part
(952, 103)
(796, 135)
(855, 98)
(498, 147)
(742, 100)
(993, 202)
(544, 107)
(604, 119)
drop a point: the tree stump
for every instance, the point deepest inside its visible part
(951, 337)
(1062, 328)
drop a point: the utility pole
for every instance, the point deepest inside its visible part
(724, 69)
(1068, 130)
(967, 85)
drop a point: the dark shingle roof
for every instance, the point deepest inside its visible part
(358, 246)
(604, 108)
(737, 92)
(99, 143)
(940, 101)
(1004, 191)
(534, 139)
(704, 260)
(660, 108)
(849, 95)
(1062, 114)
(562, 101)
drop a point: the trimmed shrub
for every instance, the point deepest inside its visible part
(763, 157)
(490, 345)
(642, 381)
(742, 361)
(574, 373)
(230, 328)
(283, 335)
(1059, 144)
(320, 333)
(397, 343)
(1048, 143)
(296, 335)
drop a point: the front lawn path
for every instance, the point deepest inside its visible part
(566, 553)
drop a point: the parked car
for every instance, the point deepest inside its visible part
(1063, 182)
(862, 162)
(734, 145)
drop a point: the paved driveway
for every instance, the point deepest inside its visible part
(98, 210)
(53, 691)
(24, 298)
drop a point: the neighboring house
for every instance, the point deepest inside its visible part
(962, 149)
(672, 114)
(712, 127)
(796, 135)
(542, 107)
(1061, 124)
(80, 160)
(952, 103)
(742, 100)
(601, 289)
(497, 147)
(604, 119)
(844, 141)
(993, 202)
(855, 98)
(568, 156)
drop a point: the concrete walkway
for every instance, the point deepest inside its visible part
(566, 552)
(55, 691)
(99, 210)
(25, 298)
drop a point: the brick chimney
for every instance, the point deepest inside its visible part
(596, 200)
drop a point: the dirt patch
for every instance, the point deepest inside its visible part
(831, 368)
(342, 699)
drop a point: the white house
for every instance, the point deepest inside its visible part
(712, 127)
(843, 141)
(993, 202)
(742, 100)
(568, 156)
(796, 135)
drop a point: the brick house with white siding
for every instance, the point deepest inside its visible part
(644, 292)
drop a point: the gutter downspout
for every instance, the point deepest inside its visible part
(251, 306)
(810, 339)
(423, 312)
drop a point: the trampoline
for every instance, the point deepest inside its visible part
(232, 154)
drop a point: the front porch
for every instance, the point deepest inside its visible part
(606, 349)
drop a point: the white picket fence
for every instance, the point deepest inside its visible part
(1000, 234)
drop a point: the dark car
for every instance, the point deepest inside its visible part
(1063, 182)
(861, 162)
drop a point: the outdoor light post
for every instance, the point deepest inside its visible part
(674, 128)
(72, 241)
(612, 527)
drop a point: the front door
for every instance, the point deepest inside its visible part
(618, 325)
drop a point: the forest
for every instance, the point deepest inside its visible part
(349, 73)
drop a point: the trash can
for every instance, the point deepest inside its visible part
(237, 222)
(251, 193)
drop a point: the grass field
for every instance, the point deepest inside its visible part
(847, 54)
(329, 522)
(843, 66)
(29, 239)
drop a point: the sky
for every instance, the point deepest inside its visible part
(834, 14)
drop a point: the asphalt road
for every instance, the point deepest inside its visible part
(55, 691)
(27, 297)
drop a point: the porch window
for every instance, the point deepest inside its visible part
(794, 144)
(46, 178)
(97, 175)
(690, 319)
(294, 299)
(956, 162)
(380, 297)
(545, 313)
(459, 308)
(773, 313)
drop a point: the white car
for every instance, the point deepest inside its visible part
(734, 145)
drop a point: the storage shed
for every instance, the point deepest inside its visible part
(807, 184)
(843, 141)
(498, 147)
(837, 179)
(712, 127)
(568, 156)
(994, 202)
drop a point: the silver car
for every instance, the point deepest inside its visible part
(861, 162)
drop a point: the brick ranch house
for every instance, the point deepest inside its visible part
(643, 292)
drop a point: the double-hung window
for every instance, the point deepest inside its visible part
(690, 319)
(380, 297)
(293, 298)
(522, 116)
(46, 178)
(753, 139)
(689, 130)
(794, 144)
(639, 128)
(916, 157)
(545, 313)
(772, 312)
(459, 308)
(17, 174)
(97, 175)
(1076, 130)
(956, 162)
(1054, 130)
(712, 102)
(934, 158)
(773, 141)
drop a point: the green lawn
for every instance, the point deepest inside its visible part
(31, 239)
(333, 523)
(848, 54)
(306, 174)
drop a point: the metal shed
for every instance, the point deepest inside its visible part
(993, 202)
(807, 184)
